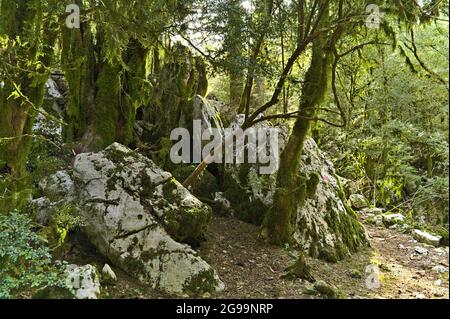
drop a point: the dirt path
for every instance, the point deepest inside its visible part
(252, 269)
(410, 269)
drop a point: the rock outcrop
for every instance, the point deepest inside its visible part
(325, 226)
(140, 218)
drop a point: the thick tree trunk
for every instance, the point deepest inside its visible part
(259, 93)
(182, 77)
(234, 43)
(291, 189)
(79, 66)
(103, 97)
(23, 93)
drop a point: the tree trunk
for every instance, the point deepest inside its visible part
(233, 43)
(104, 96)
(290, 190)
(17, 112)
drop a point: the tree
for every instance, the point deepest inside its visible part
(27, 37)
(105, 65)
(328, 26)
(325, 56)
(234, 41)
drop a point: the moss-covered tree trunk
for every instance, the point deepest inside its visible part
(234, 44)
(291, 189)
(79, 66)
(25, 76)
(182, 77)
(104, 94)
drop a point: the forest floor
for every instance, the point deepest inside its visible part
(252, 269)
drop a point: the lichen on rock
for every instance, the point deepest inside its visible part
(140, 218)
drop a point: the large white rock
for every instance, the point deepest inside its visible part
(426, 238)
(324, 226)
(136, 213)
(84, 281)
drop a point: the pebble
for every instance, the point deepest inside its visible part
(440, 269)
(108, 273)
(421, 250)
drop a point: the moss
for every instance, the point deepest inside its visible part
(202, 86)
(349, 234)
(134, 266)
(17, 115)
(188, 225)
(248, 209)
(15, 193)
(355, 273)
(443, 232)
(162, 156)
(78, 64)
(185, 224)
(107, 107)
(200, 283)
(328, 254)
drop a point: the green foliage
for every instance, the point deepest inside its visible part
(25, 261)
(15, 193)
(62, 222)
(395, 144)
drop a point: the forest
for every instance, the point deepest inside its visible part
(224, 149)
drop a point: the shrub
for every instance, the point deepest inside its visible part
(25, 261)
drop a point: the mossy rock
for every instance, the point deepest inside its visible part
(248, 209)
(200, 283)
(185, 224)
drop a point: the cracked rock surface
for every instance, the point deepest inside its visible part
(142, 219)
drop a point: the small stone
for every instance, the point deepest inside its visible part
(375, 220)
(426, 238)
(372, 211)
(108, 274)
(438, 283)
(440, 269)
(310, 290)
(373, 277)
(440, 251)
(421, 250)
(438, 294)
(421, 296)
